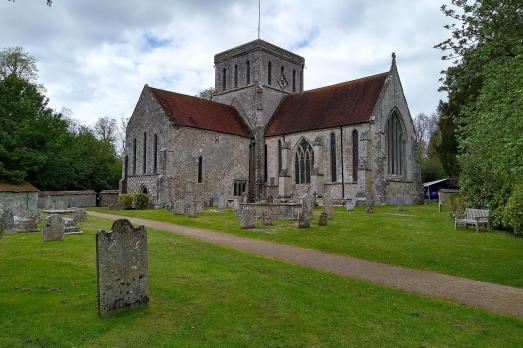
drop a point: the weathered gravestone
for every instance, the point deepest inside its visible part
(191, 210)
(54, 228)
(178, 207)
(322, 220)
(222, 203)
(247, 217)
(7, 222)
(308, 202)
(266, 217)
(121, 268)
(350, 204)
(80, 215)
(304, 219)
(245, 197)
(328, 206)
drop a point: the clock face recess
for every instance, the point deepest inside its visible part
(282, 82)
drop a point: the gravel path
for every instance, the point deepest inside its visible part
(493, 297)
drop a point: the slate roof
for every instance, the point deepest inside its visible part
(17, 188)
(342, 104)
(200, 113)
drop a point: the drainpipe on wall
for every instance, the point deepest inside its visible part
(342, 170)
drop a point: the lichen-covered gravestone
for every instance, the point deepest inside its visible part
(54, 228)
(322, 220)
(304, 219)
(121, 268)
(308, 202)
(247, 217)
(328, 206)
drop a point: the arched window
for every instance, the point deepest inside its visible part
(294, 80)
(144, 163)
(265, 164)
(236, 76)
(248, 72)
(155, 154)
(282, 70)
(355, 156)
(134, 156)
(333, 157)
(279, 157)
(269, 73)
(200, 170)
(303, 162)
(224, 79)
(395, 142)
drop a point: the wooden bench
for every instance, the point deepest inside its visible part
(473, 217)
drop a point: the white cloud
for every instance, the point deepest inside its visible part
(95, 56)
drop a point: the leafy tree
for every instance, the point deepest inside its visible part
(15, 61)
(207, 93)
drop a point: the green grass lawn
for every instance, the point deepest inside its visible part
(417, 237)
(205, 295)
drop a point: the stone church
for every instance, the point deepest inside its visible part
(264, 135)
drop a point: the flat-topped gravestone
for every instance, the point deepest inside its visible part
(54, 228)
(247, 217)
(121, 268)
(322, 220)
(222, 203)
(328, 206)
(350, 204)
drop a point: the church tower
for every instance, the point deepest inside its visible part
(254, 78)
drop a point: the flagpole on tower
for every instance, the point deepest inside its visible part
(259, 18)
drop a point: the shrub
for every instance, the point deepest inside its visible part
(456, 204)
(140, 201)
(126, 201)
(513, 212)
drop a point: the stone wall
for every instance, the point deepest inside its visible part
(108, 197)
(79, 199)
(26, 200)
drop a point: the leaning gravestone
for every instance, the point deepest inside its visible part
(247, 217)
(54, 228)
(121, 268)
(304, 219)
(328, 206)
(322, 220)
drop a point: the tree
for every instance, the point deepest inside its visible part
(425, 127)
(207, 93)
(15, 61)
(105, 129)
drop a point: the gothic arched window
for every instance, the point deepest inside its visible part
(294, 80)
(279, 157)
(155, 154)
(303, 162)
(224, 79)
(269, 73)
(200, 170)
(395, 142)
(248, 72)
(134, 156)
(144, 164)
(236, 76)
(333, 157)
(355, 156)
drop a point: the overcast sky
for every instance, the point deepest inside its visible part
(95, 56)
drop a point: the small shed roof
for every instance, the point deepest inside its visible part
(17, 188)
(430, 183)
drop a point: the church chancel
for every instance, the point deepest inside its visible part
(264, 135)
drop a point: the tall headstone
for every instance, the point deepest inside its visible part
(247, 217)
(308, 202)
(121, 268)
(222, 203)
(54, 228)
(304, 219)
(328, 206)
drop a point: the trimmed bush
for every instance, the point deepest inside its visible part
(140, 201)
(126, 201)
(513, 212)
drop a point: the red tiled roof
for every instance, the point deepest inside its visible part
(346, 103)
(201, 113)
(25, 187)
